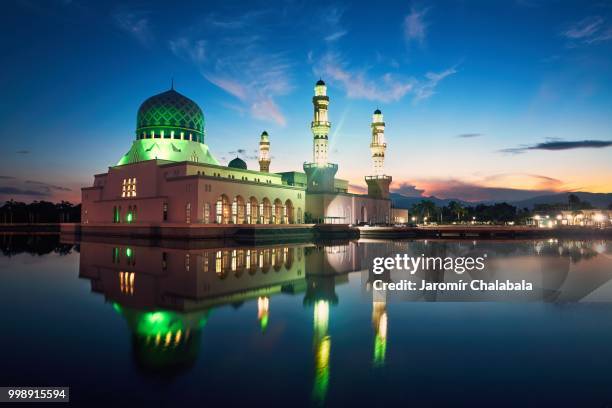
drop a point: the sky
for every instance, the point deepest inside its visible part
(483, 100)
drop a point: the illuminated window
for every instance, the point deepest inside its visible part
(128, 188)
(218, 209)
(218, 263)
(188, 213)
(126, 282)
(129, 255)
(234, 211)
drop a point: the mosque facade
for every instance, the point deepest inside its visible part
(169, 176)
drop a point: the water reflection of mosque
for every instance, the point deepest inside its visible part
(166, 293)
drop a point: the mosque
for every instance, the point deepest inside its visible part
(169, 176)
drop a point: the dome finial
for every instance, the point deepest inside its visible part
(172, 84)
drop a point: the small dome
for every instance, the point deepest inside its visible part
(377, 112)
(320, 82)
(170, 111)
(264, 133)
(237, 163)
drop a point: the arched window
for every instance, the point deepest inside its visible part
(289, 212)
(188, 213)
(278, 211)
(266, 211)
(238, 210)
(252, 211)
(223, 210)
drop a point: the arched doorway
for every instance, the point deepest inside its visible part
(364, 214)
(238, 210)
(252, 209)
(289, 212)
(223, 210)
(266, 211)
(278, 211)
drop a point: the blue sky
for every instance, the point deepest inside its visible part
(483, 100)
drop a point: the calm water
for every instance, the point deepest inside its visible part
(297, 325)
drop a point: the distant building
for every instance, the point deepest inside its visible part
(170, 176)
(399, 215)
(581, 218)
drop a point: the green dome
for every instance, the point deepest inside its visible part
(237, 163)
(169, 112)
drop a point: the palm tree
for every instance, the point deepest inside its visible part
(456, 208)
(573, 202)
(428, 207)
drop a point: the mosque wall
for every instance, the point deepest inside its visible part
(344, 208)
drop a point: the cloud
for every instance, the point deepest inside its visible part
(415, 26)
(239, 57)
(496, 187)
(604, 36)
(135, 23)
(407, 189)
(230, 86)
(266, 109)
(357, 85)
(388, 87)
(469, 135)
(427, 88)
(47, 185)
(195, 51)
(22, 152)
(19, 191)
(527, 181)
(335, 36)
(553, 145)
(473, 191)
(589, 30)
(7, 177)
(585, 28)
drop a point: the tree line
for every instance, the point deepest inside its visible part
(427, 210)
(15, 212)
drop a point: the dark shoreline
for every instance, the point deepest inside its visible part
(293, 233)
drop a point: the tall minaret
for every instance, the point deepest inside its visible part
(378, 183)
(378, 145)
(320, 173)
(264, 153)
(320, 124)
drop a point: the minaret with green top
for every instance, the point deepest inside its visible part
(378, 183)
(320, 173)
